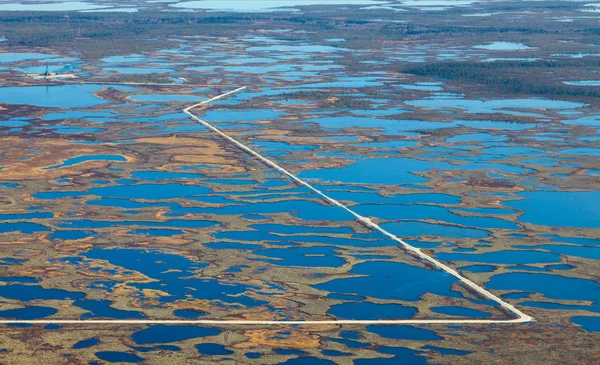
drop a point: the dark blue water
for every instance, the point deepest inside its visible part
(551, 286)
(392, 280)
(70, 235)
(83, 344)
(165, 334)
(19, 279)
(188, 313)
(26, 313)
(402, 355)
(115, 356)
(211, 349)
(560, 209)
(81, 159)
(26, 216)
(478, 268)
(590, 324)
(397, 171)
(23, 227)
(28, 293)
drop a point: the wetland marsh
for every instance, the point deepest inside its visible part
(478, 146)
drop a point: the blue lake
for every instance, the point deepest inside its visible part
(64, 96)
(560, 209)
(22, 227)
(495, 106)
(8, 57)
(504, 46)
(29, 293)
(82, 159)
(83, 344)
(166, 334)
(551, 286)
(211, 349)
(116, 356)
(33, 312)
(264, 5)
(590, 324)
(397, 171)
(381, 274)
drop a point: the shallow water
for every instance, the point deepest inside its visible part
(495, 106)
(64, 96)
(262, 5)
(58, 6)
(9, 57)
(504, 46)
